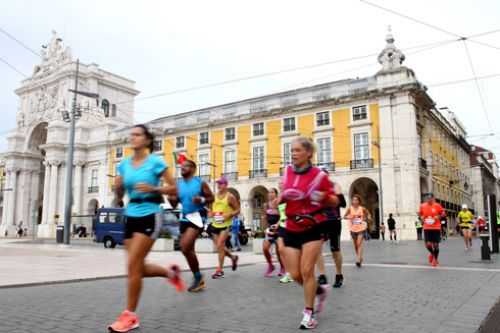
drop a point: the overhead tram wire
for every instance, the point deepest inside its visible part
(20, 43)
(462, 38)
(13, 67)
(272, 73)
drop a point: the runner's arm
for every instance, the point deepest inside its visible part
(235, 205)
(207, 194)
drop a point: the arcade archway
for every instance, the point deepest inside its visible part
(367, 189)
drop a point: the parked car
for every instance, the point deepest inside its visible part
(109, 226)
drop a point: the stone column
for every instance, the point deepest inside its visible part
(54, 175)
(77, 187)
(46, 193)
(34, 204)
(11, 214)
(6, 198)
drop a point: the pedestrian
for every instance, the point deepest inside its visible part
(391, 223)
(382, 231)
(358, 217)
(194, 194)
(307, 192)
(418, 226)
(465, 221)
(272, 216)
(139, 177)
(224, 208)
(431, 213)
(335, 230)
(235, 233)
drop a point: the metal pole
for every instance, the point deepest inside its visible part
(69, 164)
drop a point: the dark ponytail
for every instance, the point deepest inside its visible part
(150, 136)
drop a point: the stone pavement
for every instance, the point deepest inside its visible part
(395, 291)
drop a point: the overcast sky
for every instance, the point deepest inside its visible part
(167, 45)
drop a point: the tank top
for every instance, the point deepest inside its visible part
(186, 190)
(219, 207)
(270, 210)
(357, 218)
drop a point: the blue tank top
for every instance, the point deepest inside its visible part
(186, 190)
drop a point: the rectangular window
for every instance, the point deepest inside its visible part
(230, 134)
(157, 145)
(229, 161)
(203, 161)
(258, 158)
(94, 180)
(204, 138)
(322, 118)
(324, 151)
(287, 153)
(361, 147)
(258, 129)
(179, 142)
(289, 124)
(359, 112)
(119, 152)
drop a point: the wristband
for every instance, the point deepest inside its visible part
(203, 200)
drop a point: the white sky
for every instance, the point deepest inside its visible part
(165, 46)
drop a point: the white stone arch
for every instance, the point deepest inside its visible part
(37, 135)
(367, 188)
(92, 206)
(257, 198)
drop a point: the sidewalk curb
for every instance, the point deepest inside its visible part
(98, 278)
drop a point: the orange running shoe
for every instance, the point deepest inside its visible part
(175, 279)
(434, 263)
(126, 322)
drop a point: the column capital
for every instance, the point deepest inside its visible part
(55, 162)
(80, 163)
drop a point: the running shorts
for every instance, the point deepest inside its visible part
(185, 225)
(432, 236)
(149, 225)
(215, 231)
(297, 239)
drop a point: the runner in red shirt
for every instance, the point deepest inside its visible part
(307, 191)
(431, 213)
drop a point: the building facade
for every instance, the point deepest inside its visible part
(381, 136)
(484, 173)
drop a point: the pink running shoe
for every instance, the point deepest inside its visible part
(270, 270)
(127, 321)
(175, 279)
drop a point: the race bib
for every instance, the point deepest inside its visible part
(429, 221)
(357, 221)
(218, 218)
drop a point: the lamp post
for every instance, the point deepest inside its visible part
(71, 117)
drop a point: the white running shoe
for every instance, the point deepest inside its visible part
(308, 321)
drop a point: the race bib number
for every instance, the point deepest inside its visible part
(429, 221)
(356, 221)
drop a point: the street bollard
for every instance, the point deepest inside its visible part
(485, 247)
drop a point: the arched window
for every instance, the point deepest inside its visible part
(113, 110)
(105, 107)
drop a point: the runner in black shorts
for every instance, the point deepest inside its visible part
(335, 226)
(193, 194)
(139, 176)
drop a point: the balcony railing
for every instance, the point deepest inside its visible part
(230, 175)
(329, 166)
(205, 178)
(93, 189)
(423, 164)
(257, 173)
(362, 164)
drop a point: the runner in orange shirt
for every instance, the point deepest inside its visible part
(431, 212)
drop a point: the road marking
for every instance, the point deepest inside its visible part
(442, 268)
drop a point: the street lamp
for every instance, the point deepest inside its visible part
(71, 117)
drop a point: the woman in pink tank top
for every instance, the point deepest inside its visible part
(357, 217)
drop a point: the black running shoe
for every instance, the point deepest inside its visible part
(339, 280)
(322, 280)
